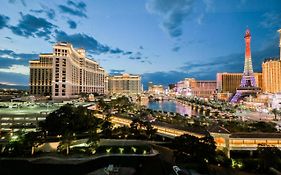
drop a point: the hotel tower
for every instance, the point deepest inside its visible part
(66, 73)
(271, 73)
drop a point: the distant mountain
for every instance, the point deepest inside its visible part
(18, 87)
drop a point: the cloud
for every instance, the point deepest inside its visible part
(87, 42)
(162, 77)
(50, 13)
(271, 20)
(31, 26)
(230, 63)
(116, 51)
(128, 53)
(14, 78)
(9, 58)
(173, 13)
(200, 18)
(209, 5)
(18, 69)
(138, 56)
(72, 24)
(3, 21)
(176, 48)
(208, 70)
(116, 71)
(22, 2)
(9, 38)
(73, 8)
(134, 57)
(79, 5)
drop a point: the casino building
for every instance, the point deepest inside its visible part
(125, 84)
(271, 73)
(66, 73)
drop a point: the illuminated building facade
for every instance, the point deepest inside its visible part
(248, 85)
(125, 84)
(41, 75)
(155, 89)
(199, 88)
(271, 72)
(204, 88)
(66, 73)
(229, 82)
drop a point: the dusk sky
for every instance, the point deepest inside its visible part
(163, 40)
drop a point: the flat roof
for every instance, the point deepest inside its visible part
(256, 135)
(24, 109)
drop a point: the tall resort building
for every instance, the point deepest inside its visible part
(125, 84)
(271, 72)
(66, 73)
(229, 82)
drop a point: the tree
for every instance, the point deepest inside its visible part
(263, 126)
(150, 131)
(23, 143)
(106, 127)
(269, 157)
(207, 112)
(32, 140)
(105, 107)
(93, 139)
(66, 141)
(121, 132)
(70, 121)
(136, 126)
(194, 150)
(275, 112)
(59, 121)
(222, 159)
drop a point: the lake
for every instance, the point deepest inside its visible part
(171, 106)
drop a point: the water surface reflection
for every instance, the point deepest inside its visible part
(171, 106)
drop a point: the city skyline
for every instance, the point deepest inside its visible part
(164, 41)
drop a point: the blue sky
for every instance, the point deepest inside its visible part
(163, 40)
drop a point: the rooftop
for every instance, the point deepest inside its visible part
(271, 59)
(256, 135)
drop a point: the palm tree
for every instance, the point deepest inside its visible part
(66, 141)
(150, 131)
(32, 139)
(93, 139)
(275, 112)
(106, 127)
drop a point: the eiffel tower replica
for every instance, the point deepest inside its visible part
(248, 85)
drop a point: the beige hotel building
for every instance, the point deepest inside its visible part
(66, 73)
(198, 88)
(125, 84)
(228, 82)
(271, 73)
